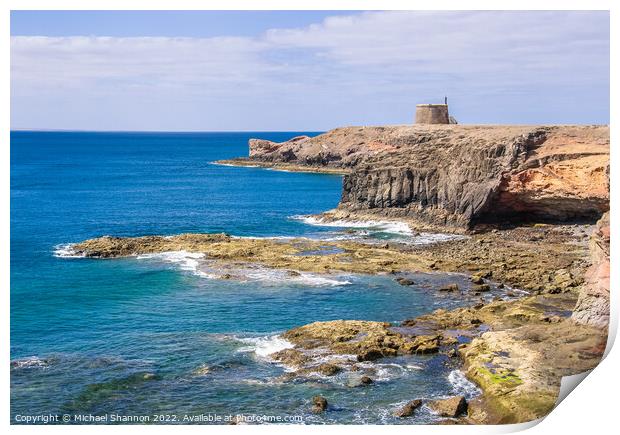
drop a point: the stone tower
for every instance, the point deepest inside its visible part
(432, 114)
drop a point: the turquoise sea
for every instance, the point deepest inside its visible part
(131, 337)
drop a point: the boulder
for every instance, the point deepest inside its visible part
(481, 288)
(358, 380)
(422, 344)
(328, 369)
(449, 288)
(476, 279)
(452, 407)
(366, 380)
(319, 404)
(370, 354)
(408, 409)
(405, 281)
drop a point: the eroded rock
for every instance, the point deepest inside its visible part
(408, 409)
(291, 357)
(449, 288)
(329, 369)
(593, 304)
(319, 404)
(367, 340)
(452, 407)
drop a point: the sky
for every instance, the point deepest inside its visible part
(304, 70)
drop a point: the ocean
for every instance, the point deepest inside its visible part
(152, 336)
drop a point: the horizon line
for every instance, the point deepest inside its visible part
(71, 130)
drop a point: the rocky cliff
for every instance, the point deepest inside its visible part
(593, 303)
(458, 176)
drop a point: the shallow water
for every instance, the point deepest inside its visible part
(130, 336)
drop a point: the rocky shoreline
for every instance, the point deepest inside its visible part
(492, 180)
(508, 189)
(245, 162)
(519, 348)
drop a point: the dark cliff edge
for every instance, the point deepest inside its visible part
(457, 176)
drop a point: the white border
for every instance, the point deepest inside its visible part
(590, 410)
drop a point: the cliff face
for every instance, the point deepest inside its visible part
(593, 303)
(457, 176)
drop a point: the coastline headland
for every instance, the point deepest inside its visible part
(533, 201)
(454, 177)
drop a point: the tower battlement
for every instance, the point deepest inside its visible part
(432, 114)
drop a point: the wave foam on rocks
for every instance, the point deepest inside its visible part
(462, 385)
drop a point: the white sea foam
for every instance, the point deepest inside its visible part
(379, 226)
(462, 385)
(364, 229)
(235, 166)
(314, 280)
(29, 362)
(269, 237)
(196, 263)
(66, 251)
(320, 358)
(414, 367)
(264, 346)
(278, 170)
(384, 371)
(266, 275)
(428, 238)
(188, 261)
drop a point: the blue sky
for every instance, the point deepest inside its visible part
(198, 24)
(296, 70)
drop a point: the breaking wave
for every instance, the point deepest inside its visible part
(29, 362)
(267, 275)
(400, 228)
(264, 346)
(66, 251)
(462, 385)
(369, 228)
(188, 261)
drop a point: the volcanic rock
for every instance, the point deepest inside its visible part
(408, 409)
(452, 407)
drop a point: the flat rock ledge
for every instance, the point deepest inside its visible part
(367, 340)
(519, 349)
(538, 258)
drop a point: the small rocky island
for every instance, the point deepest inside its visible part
(533, 202)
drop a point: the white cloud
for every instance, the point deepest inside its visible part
(149, 61)
(344, 62)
